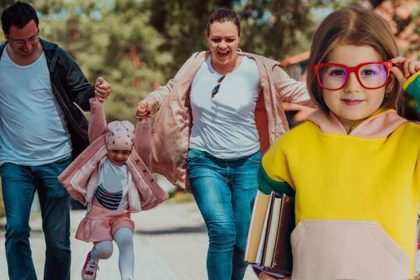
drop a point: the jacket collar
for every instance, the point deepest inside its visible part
(49, 50)
(382, 123)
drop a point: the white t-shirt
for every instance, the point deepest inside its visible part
(225, 125)
(33, 130)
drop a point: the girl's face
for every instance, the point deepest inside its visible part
(223, 41)
(118, 157)
(353, 103)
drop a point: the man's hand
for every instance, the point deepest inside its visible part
(102, 89)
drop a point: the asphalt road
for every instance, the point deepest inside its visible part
(170, 243)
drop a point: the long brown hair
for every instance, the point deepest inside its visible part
(357, 26)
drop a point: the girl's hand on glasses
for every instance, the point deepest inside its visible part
(403, 68)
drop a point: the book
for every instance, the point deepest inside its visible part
(268, 246)
(256, 227)
(271, 231)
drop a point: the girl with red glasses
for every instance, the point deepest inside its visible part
(354, 165)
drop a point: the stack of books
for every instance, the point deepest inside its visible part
(268, 246)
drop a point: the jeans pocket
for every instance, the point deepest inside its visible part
(195, 155)
(255, 158)
(67, 160)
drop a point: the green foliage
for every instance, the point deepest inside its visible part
(112, 40)
(5, 3)
(182, 24)
(136, 44)
(269, 27)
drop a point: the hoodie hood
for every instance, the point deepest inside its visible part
(382, 123)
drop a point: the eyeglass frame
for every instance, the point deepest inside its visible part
(18, 43)
(355, 69)
(217, 87)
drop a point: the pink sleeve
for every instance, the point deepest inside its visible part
(290, 90)
(97, 124)
(156, 96)
(143, 141)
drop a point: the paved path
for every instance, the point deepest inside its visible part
(170, 243)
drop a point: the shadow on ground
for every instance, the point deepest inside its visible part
(174, 230)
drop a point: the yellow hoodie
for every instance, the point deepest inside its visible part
(357, 195)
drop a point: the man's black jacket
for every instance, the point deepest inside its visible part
(70, 87)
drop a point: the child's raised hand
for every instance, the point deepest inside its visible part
(102, 89)
(144, 110)
(403, 68)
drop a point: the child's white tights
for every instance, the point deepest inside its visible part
(124, 239)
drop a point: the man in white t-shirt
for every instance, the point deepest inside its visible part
(41, 130)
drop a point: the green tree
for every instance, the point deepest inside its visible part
(182, 25)
(269, 27)
(4, 3)
(109, 39)
(136, 44)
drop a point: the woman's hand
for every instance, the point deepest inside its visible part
(144, 110)
(403, 68)
(302, 112)
(102, 89)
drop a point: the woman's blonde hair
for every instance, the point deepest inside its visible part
(357, 26)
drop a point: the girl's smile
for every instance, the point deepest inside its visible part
(352, 102)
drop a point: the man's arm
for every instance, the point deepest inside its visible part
(76, 84)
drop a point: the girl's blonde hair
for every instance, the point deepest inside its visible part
(353, 26)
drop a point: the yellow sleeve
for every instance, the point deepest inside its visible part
(274, 174)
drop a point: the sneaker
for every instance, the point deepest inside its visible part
(89, 268)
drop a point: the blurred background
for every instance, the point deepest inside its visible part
(139, 44)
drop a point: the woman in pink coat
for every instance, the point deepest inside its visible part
(217, 115)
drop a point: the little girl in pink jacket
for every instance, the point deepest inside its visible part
(111, 178)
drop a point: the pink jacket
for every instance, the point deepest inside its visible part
(172, 122)
(81, 177)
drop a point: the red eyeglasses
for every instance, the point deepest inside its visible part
(334, 76)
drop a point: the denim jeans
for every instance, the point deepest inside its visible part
(224, 191)
(19, 184)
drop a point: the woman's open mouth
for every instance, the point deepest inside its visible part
(222, 55)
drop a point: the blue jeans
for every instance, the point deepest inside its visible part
(19, 186)
(224, 191)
